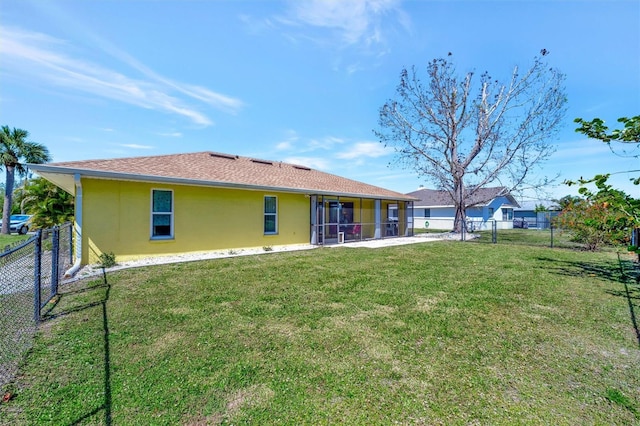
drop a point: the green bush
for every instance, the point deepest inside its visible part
(107, 260)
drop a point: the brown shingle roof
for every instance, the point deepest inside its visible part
(216, 169)
(439, 198)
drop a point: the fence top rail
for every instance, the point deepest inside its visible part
(18, 246)
(64, 225)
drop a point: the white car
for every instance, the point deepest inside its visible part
(20, 223)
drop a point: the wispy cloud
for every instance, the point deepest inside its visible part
(586, 158)
(355, 22)
(364, 149)
(349, 28)
(135, 146)
(313, 162)
(289, 142)
(284, 146)
(580, 150)
(293, 142)
(326, 143)
(329, 152)
(47, 60)
(171, 134)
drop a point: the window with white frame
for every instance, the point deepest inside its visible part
(161, 213)
(270, 214)
(507, 214)
(392, 212)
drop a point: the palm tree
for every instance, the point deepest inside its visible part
(48, 204)
(15, 152)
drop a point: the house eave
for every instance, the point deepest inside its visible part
(427, 206)
(511, 203)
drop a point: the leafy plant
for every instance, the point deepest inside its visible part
(48, 204)
(596, 129)
(107, 260)
(594, 223)
(618, 213)
(627, 208)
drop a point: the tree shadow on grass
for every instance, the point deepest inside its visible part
(604, 270)
(106, 405)
(625, 272)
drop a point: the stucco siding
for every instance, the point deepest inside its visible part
(117, 217)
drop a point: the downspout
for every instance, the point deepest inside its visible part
(77, 226)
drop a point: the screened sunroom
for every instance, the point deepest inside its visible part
(342, 219)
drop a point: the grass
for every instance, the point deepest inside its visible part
(536, 237)
(6, 240)
(434, 333)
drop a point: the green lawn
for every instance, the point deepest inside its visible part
(434, 333)
(11, 239)
(534, 237)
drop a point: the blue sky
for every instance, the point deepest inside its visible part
(297, 81)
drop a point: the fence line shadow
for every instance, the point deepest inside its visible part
(632, 295)
(618, 274)
(630, 274)
(106, 405)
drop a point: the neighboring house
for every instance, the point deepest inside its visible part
(435, 210)
(172, 204)
(537, 219)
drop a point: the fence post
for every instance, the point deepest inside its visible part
(70, 229)
(551, 227)
(36, 275)
(494, 232)
(55, 260)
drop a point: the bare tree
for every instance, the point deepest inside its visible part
(462, 135)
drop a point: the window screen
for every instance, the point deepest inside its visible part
(270, 214)
(161, 214)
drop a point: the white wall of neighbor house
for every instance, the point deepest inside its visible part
(482, 217)
(433, 218)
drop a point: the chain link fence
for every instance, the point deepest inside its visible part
(30, 272)
(544, 235)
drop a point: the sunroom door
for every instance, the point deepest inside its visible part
(317, 236)
(332, 219)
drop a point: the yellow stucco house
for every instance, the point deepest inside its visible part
(206, 201)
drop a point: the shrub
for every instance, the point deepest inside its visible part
(107, 260)
(593, 223)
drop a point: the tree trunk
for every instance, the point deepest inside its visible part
(8, 198)
(459, 205)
